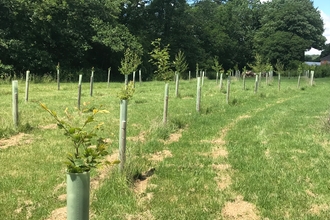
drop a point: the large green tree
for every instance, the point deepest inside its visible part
(289, 28)
(36, 35)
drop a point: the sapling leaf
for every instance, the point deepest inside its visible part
(89, 119)
(79, 162)
(72, 130)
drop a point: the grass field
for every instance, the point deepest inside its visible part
(262, 156)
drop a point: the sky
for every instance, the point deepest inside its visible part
(324, 7)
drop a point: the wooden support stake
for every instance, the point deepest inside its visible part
(109, 70)
(165, 103)
(203, 75)
(27, 86)
(91, 83)
(279, 82)
(228, 90)
(298, 86)
(58, 77)
(133, 79)
(15, 102)
(176, 84)
(79, 91)
(199, 90)
(244, 85)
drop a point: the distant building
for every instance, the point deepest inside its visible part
(325, 60)
(313, 63)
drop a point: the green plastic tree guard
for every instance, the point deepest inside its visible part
(78, 187)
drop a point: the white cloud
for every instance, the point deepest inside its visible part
(326, 21)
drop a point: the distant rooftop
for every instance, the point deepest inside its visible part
(313, 63)
(326, 58)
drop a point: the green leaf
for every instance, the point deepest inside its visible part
(72, 130)
(79, 162)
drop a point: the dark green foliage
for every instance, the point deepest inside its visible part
(84, 34)
(289, 28)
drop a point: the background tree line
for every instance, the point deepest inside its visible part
(36, 35)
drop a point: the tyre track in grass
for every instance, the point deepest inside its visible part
(238, 209)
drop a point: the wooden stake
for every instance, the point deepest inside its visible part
(199, 91)
(228, 90)
(279, 82)
(27, 86)
(165, 104)
(176, 84)
(109, 70)
(15, 102)
(58, 76)
(91, 83)
(79, 91)
(203, 75)
(244, 87)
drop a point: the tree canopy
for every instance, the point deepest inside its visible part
(37, 35)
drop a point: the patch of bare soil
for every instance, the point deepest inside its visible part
(58, 214)
(310, 193)
(142, 216)
(161, 155)
(26, 206)
(317, 209)
(103, 172)
(219, 150)
(223, 178)
(240, 210)
(140, 187)
(140, 138)
(175, 137)
(141, 183)
(50, 126)
(16, 140)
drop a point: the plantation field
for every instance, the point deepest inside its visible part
(262, 156)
